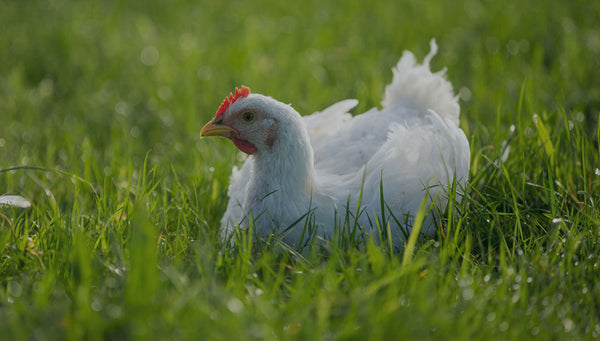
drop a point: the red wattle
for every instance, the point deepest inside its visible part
(244, 146)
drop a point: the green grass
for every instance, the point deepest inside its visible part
(121, 242)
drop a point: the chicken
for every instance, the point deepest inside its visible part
(326, 170)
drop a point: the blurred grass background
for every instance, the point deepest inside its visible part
(109, 97)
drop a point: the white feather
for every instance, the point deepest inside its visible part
(413, 145)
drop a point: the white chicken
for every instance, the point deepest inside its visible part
(322, 169)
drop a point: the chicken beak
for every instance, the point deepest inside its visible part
(213, 129)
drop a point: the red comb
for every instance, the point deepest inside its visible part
(244, 92)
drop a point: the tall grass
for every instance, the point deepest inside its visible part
(100, 108)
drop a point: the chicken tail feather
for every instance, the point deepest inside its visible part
(414, 84)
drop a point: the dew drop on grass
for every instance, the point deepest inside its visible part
(505, 154)
(404, 301)
(114, 311)
(149, 55)
(122, 108)
(465, 94)
(46, 87)
(96, 304)
(545, 301)
(465, 282)
(468, 294)
(135, 132)
(235, 305)
(165, 93)
(14, 289)
(558, 297)
(515, 298)
(567, 324)
(512, 47)
(166, 117)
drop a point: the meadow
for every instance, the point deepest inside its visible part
(101, 104)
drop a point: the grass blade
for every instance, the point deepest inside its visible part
(414, 233)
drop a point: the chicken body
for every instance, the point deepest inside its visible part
(314, 168)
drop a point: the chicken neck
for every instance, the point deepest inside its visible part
(282, 177)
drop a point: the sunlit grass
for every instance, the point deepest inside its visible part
(100, 109)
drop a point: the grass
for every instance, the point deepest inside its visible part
(101, 104)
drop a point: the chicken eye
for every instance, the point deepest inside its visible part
(248, 117)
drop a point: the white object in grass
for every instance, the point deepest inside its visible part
(14, 200)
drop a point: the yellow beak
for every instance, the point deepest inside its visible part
(212, 129)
